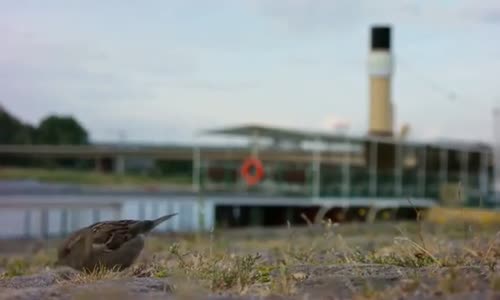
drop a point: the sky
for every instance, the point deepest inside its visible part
(161, 71)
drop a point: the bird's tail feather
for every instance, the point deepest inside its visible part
(163, 219)
(148, 225)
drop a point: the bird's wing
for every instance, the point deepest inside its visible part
(77, 240)
(111, 235)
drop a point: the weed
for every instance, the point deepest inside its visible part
(96, 274)
(16, 267)
(495, 282)
(283, 283)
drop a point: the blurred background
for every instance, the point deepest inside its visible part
(245, 113)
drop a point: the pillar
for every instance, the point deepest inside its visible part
(380, 69)
(119, 165)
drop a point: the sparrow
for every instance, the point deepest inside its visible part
(108, 244)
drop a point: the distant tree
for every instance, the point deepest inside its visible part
(61, 130)
(55, 130)
(25, 135)
(13, 131)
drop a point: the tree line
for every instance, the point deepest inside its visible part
(61, 130)
(52, 130)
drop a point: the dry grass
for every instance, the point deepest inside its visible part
(285, 261)
(91, 178)
(442, 215)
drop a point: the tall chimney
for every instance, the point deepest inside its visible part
(380, 67)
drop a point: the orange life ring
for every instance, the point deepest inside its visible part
(245, 170)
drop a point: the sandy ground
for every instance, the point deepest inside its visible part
(466, 267)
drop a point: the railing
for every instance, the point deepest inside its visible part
(334, 181)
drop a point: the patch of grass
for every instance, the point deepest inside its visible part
(25, 265)
(16, 267)
(283, 283)
(96, 274)
(449, 283)
(222, 271)
(495, 282)
(413, 261)
(88, 177)
(285, 261)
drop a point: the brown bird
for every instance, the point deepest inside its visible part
(109, 244)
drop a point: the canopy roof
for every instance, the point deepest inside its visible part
(300, 135)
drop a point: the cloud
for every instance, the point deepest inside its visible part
(142, 87)
(306, 16)
(486, 11)
(39, 77)
(162, 70)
